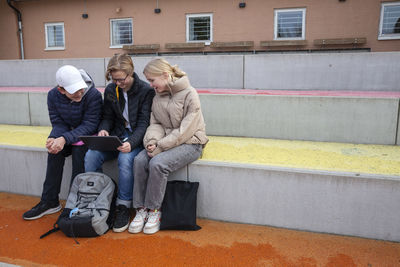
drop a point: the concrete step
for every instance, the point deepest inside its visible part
(348, 189)
(329, 116)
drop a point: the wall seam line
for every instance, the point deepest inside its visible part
(396, 137)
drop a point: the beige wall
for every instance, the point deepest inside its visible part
(9, 42)
(86, 38)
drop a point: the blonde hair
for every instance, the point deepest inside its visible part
(121, 62)
(159, 66)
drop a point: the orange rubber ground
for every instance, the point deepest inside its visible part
(216, 244)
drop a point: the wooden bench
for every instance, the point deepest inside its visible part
(341, 41)
(142, 48)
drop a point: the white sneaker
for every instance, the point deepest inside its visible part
(153, 222)
(137, 223)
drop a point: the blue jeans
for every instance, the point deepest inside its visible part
(94, 160)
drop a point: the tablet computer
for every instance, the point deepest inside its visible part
(102, 143)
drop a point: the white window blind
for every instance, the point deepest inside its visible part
(289, 24)
(121, 32)
(54, 36)
(390, 21)
(199, 28)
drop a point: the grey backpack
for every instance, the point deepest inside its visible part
(90, 206)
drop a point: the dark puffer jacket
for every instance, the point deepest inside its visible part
(73, 119)
(140, 97)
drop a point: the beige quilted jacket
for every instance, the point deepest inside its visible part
(176, 118)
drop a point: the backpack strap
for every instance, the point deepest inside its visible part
(55, 229)
(73, 235)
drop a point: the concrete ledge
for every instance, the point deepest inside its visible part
(364, 71)
(328, 119)
(369, 119)
(338, 71)
(42, 72)
(353, 204)
(322, 187)
(24, 171)
(329, 202)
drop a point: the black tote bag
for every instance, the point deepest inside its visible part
(179, 206)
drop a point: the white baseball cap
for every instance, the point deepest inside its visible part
(70, 79)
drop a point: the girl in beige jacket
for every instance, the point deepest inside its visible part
(175, 138)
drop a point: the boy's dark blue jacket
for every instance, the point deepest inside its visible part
(73, 119)
(140, 98)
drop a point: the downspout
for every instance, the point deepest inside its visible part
(19, 27)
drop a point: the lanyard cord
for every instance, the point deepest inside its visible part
(116, 91)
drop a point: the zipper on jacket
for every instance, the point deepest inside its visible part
(169, 115)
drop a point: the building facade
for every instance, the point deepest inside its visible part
(101, 28)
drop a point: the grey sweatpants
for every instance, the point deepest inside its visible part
(151, 174)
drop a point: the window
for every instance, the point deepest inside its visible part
(121, 32)
(389, 26)
(55, 36)
(199, 28)
(289, 24)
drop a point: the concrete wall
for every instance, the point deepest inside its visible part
(320, 201)
(331, 119)
(331, 71)
(24, 171)
(329, 202)
(335, 119)
(43, 72)
(218, 71)
(398, 127)
(346, 71)
(24, 108)
(14, 108)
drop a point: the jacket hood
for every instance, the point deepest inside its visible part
(88, 80)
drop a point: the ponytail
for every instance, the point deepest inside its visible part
(159, 66)
(177, 72)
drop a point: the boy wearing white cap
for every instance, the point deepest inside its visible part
(75, 110)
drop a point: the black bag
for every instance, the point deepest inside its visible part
(178, 209)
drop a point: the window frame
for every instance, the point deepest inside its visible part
(198, 15)
(49, 24)
(303, 21)
(381, 36)
(111, 32)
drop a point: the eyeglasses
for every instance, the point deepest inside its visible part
(119, 80)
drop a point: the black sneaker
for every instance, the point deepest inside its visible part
(41, 209)
(122, 218)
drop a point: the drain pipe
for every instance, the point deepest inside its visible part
(19, 27)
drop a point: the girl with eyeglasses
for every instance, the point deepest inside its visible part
(126, 114)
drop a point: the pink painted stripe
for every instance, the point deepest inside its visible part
(390, 94)
(24, 89)
(31, 89)
(387, 94)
